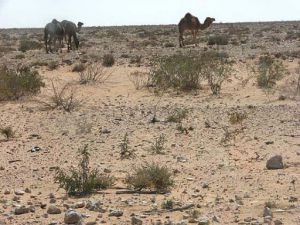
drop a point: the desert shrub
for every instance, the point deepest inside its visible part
(268, 72)
(151, 176)
(237, 117)
(52, 65)
(137, 59)
(92, 74)
(18, 83)
(168, 204)
(126, 151)
(139, 79)
(169, 45)
(79, 67)
(82, 181)
(216, 69)
(20, 56)
(177, 115)
(108, 60)
(64, 99)
(158, 146)
(178, 71)
(7, 132)
(220, 39)
(26, 44)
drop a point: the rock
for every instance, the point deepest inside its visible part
(91, 223)
(72, 217)
(21, 210)
(203, 221)
(27, 190)
(79, 205)
(19, 192)
(52, 200)
(7, 192)
(116, 213)
(105, 131)
(267, 212)
(52, 209)
(136, 221)
(53, 223)
(95, 206)
(275, 163)
(277, 222)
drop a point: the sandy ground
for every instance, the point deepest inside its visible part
(227, 182)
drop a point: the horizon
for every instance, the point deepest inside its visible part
(39, 12)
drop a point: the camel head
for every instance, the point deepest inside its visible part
(79, 26)
(54, 21)
(209, 20)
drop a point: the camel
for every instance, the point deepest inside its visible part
(192, 23)
(53, 31)
(71, 30)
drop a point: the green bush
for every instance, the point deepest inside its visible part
(83, 181)
(178, 71)
(108, 60)
(7, 132)
(26, 44)
(268, 72)
(18, 83)
(151, 176)
(220, 39)
(216, 69)
(158, 146)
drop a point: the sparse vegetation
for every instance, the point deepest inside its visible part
(79, 67)
(93, 73)
(52, 65)
(82, 181)
(108, 60)
(26, 44)
(151, 176)
(139, 79)
(178, 71)
(268, 72)
(216, 69)
(237, 117)
(168, 204)
(15, 84)
(7, 132)
(177, 115)
(126, 151)
(219, 39)
(64, 99)
(158, 146)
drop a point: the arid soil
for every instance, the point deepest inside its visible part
(219, 168)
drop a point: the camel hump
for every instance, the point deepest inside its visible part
(188, 16)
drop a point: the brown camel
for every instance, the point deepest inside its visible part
(192, 23)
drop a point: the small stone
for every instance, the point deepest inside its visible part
(7, 192)
(79, 205)
(203, 221)
(52, 209)
(277, 222)
(105, 131)
(275, 163)
(136, 221)
(27, 190)
(72, 217)
(91, 223)
(205, 185)
(21, 210)
(51, 195)
(116, 213)
(52, 200)
(19, 192)
(267, 212)
(53, 223)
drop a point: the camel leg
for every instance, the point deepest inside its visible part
(69, 43)
(181, 44)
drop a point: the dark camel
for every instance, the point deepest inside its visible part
(52, 32)
(71, 30)
(192, 23)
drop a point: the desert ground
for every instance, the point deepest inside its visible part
(219, 168)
